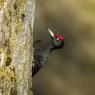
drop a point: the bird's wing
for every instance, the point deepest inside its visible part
(40, 48)
(41, 51)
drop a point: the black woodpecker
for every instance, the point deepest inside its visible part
(43, 49)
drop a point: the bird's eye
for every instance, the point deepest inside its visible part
(57, 38)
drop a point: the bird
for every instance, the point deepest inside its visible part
(42, 49)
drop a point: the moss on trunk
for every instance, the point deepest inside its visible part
(16, 39)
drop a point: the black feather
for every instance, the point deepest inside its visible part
(41, 52)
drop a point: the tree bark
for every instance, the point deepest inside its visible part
(16, 51)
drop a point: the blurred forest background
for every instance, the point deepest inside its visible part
(70, 71)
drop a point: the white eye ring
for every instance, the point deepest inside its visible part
(57, 38)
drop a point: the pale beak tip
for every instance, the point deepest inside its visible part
(51, 33)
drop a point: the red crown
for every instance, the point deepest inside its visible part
(59, 36)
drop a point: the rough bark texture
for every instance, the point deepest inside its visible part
(16, 39)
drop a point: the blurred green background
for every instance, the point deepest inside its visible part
(70, 71)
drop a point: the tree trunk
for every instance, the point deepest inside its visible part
(16, 51)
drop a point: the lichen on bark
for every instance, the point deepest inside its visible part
(16, 39)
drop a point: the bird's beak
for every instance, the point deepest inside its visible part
(51, 33)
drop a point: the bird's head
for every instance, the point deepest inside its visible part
(57, 40)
